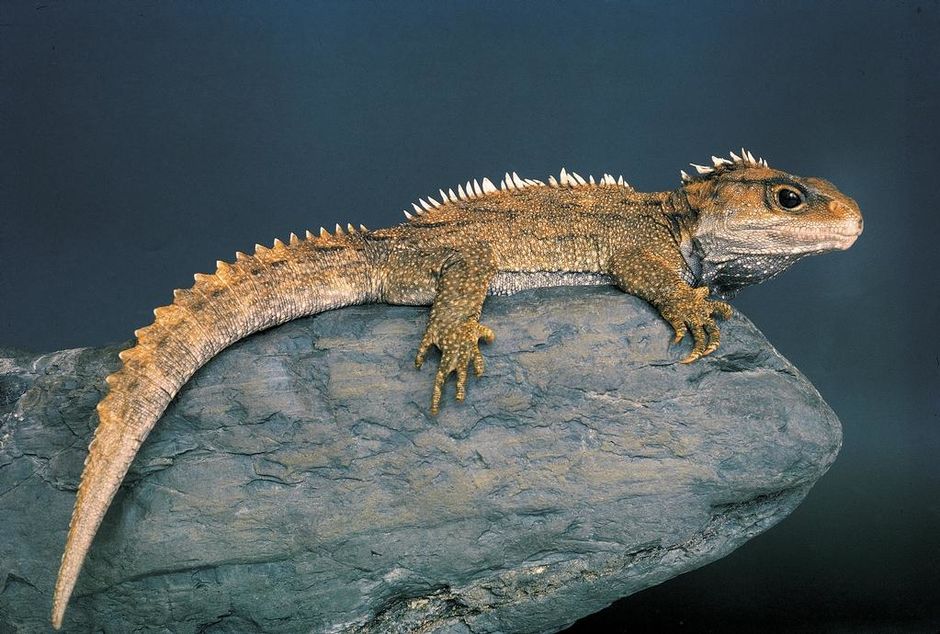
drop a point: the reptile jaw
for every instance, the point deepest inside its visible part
(837, 233)
(848, 231)
(827, 238)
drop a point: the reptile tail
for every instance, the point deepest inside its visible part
(255, 292)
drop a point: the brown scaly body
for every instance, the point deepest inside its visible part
(733, 224)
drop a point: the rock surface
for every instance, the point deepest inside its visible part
(298, 484)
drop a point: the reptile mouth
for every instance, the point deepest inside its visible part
(849, 237)
(841, 236)
(847, 240)
(832, 240)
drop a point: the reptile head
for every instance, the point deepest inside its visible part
(752, 221)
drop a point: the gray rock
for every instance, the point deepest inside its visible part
(298, 484)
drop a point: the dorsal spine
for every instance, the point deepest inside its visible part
(511, 182)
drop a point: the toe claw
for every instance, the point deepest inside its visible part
(680, 330)
(714, 338)
(698, 347)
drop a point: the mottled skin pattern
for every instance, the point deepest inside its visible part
(733, 224)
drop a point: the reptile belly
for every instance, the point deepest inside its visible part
(509, 282)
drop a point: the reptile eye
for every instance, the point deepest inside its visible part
(789, 198)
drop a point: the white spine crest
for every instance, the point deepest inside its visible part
(511, 182)
(719, 164)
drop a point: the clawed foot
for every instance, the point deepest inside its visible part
(695, 313)
(459, 346)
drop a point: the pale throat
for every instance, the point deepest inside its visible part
(725, 268)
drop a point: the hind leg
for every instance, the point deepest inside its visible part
(457, 280)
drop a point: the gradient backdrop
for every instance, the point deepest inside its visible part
(140, 142)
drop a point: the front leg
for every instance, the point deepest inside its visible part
(454, 324)
(658, 279)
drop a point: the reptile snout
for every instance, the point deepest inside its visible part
(849, 220)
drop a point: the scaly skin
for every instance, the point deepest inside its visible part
(733, 224)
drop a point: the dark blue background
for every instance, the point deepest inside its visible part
(141, 142)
